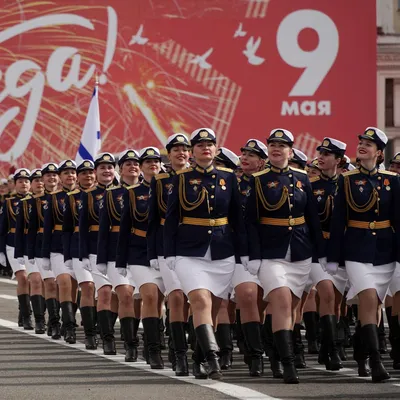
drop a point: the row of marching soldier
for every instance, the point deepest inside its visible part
(208, 239)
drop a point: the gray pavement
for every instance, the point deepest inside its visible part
(35, 367)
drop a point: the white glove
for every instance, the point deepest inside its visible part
(31, 261)
(46, 264)
(171, 263)
(332, 268)
(154, 264)
(102, 268)
(68, 264)
(322, 262)
(244, 260)
(123, 271)
(86, 264)
(21, 260)
(253, 266)
(3, 260)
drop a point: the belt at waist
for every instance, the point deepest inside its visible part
(93, 228)
(205, 221)
(76, 229)
(40, 230)
(12, 230)
(326, 235)
(138, 232)
(369, 225)
(282, 221)
(114, 228)
(57, 228)
(162, 221)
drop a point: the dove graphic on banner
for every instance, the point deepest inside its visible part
(91, 142)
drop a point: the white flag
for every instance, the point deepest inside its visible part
(90, 142)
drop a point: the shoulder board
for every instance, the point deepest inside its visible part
(73, 192)
(355, 171)
(113, 188)
(224, 169)
(387, 173)
(162, 176)
(314, 179)
(298, 170)
(27, 197)
(133, 186)
(182, 171)
(264, 171)
(91, 189)
(57, 191)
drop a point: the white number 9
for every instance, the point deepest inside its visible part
(318, 62)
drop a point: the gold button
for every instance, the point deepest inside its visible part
(291, 221)
(211, 208)
(290, 175)
(372, 225)
(212, 222)
(379, 177)
(291, 185)
(290, 228)
(379, 188)
(213, 176)
(209, 232)
(212, 196)
(212, 186)
(374, 233)
(376, 211)
(291, 194)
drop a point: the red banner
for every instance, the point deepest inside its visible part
(166, 66)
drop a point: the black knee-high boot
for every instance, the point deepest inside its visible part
(395, 352)
(106, 322)
(177, 333)
(371, 337)
(38, 304)
(240, 341)
(311, 322)
(53, 309)
(382, 336)
(224, 340)
(198, 368)
(271, 348)
(128, 330)
(331, 355)
(25, 307)
(252, 337)
(89, 326)
(299, 360)
(68, 317)
(284, 343)
(206, 338)
(360, 353)
(152, 331)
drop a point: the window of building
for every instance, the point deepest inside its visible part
(389, 103)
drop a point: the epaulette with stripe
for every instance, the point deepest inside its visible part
(73, 192)
(56, 191)
(385, 172)
(184, 170)
(36, 196)
(224, 169)
(264, 171)
(91, 189)
(133, 186)
(314, 179)
(113, 188)
(298, 170)
(26, 197)
(353, 172)
(162, 176)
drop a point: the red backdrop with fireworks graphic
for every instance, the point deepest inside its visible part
(241, 67)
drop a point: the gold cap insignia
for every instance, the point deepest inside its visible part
(68, 164)
(180, 139)
(325, 143)
(107, 157)
(251, 144)
(370, 132)
(52, 167)
(150, 152)
(131, 154)
(23, 173)
(86, 164)
(278, 134)
(398, 157)
(39, 173)
(203, 134)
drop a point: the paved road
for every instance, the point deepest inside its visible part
(36, 367)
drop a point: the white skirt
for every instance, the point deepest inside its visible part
(82, 275)
(58, 266)
(309, 285)
(205, 273)
(339, 280)
(278, 273)
(170, 279)
(368, 276)
(142, 275)
(240, 276)
(99, 279)
(394, 286)
(31, 269)
(15, 265)
(45, 274)
(115, 277)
